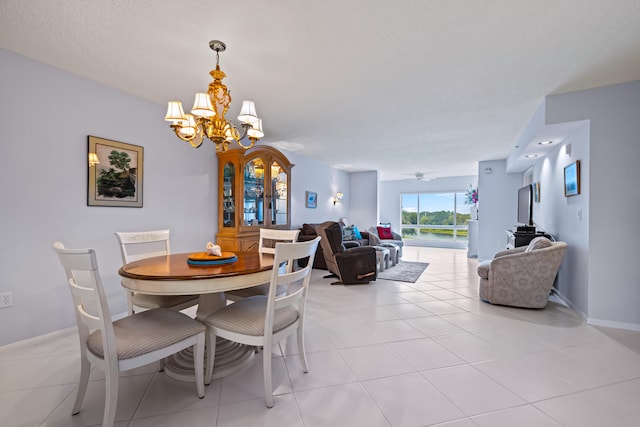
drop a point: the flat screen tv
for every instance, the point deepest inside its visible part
(525, 205)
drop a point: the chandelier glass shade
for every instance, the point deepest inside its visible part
(207, 116)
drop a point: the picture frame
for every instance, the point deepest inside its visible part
(311, 198)
(115, 173)
(536, 192)
(572, 179)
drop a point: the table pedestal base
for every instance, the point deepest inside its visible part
(230, 357)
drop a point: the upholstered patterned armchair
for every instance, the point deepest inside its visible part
(524, 276)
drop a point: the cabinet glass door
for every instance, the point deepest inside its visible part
(254, 173)
(278, 202)
(229, 199)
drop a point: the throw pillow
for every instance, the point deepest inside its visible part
(348, 234)
(357, 233)
(385, 233)
(538, 243)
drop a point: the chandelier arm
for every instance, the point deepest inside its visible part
(245, 130)
(197, 139)
(176, 129)
(246, 127)
(246, 147)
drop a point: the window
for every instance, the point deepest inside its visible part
(435, 217)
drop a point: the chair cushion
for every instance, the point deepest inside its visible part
(145, 332)
(385, 233)
(538, 243)
(483, 269)
(247, 317)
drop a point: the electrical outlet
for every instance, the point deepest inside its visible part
(6, 299)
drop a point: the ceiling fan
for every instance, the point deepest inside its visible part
(421, 176)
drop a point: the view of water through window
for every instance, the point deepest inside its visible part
(440, 217)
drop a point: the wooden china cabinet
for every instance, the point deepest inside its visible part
(254, 189)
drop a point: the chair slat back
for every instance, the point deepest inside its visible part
(136, 245)
(87, 292)
(289, 253)
(269, 238)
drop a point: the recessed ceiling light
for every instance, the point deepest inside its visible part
(530, 156)
(545, 142)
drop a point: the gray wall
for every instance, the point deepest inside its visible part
(364, 199)
(45, 117)
(613, 174)
(311, 175)
(567, 218)
(498, 198)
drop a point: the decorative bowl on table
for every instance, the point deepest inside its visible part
(205, 258)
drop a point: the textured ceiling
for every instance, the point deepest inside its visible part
(400, 87)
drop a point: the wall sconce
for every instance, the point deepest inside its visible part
(93, 159)
(337, 198)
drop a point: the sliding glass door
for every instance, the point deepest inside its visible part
(435, 217)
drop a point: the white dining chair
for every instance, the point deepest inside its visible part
(263, 320)
(127, 343)
(136, 245)
(266, 245)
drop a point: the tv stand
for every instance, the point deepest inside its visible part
(521, 238)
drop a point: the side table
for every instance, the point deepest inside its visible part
(382, 257)
(394, 252)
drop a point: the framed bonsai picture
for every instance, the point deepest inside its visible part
(572, 179)
(115, 173)
(312, 199)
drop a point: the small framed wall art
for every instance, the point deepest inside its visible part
(311, 199)
(572, 179)
(115, 173)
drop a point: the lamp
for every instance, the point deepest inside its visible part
(93, 159)
(338, 197)
(207, 115)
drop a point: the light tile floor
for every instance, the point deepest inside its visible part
(384, 354)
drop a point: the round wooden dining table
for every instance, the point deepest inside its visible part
(172, 275)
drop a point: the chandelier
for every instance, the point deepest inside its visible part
(207, 115)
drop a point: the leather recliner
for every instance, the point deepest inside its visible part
(352, 266)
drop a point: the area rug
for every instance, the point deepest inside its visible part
(404, 271)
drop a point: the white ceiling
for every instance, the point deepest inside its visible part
(400, 87)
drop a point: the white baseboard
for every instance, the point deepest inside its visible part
(571, 305)
(60, 333)
(598, 322)
(612, 324)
